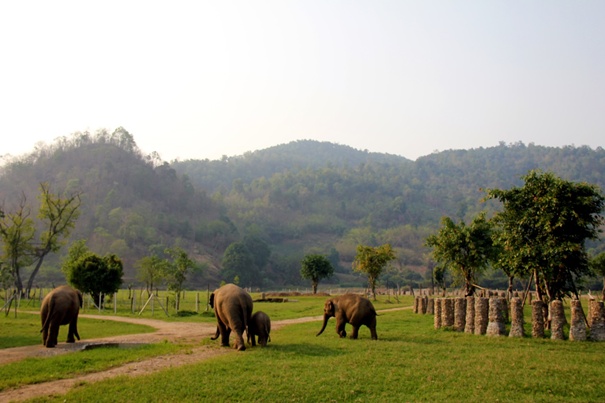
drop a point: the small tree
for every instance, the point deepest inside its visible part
(465, 250)
(96, 275)
(176, 271)
(372, 261)
(314, 268)
(151, 270)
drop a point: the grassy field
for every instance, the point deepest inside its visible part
(410, 362)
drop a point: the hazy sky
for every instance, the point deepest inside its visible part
(202, 79)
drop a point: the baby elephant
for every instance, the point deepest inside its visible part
(260, 325)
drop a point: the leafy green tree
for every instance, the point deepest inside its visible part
(597, 264)
(151, 270)
(238, 262)
(543, 227)
(314, 268)
(57, 216)
(176, 271)
(259, 249)
(464, 250)
(96, 275)
(371, 261)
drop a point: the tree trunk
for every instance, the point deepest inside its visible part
(32, 276)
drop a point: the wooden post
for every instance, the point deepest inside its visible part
(516, 308)
(537, 319)
(469, 321)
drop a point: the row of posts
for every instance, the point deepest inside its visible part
(488, 316)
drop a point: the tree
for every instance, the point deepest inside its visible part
(176, 271)
(464, 250)
(314, 268)
(543, 227)
(371, 261)
(22, 248)
(17, 231)
(238, 262)
(597, 264)
(150, 270)
(96, 275)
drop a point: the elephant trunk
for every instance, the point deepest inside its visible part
(326, 317)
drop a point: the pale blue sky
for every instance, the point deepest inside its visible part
(201, 79)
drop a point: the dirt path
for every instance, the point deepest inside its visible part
(181, 332)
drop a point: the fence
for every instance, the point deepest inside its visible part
(490, 315)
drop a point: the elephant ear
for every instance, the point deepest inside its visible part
(211, 301)
(330, 308)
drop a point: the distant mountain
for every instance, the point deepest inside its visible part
(297, 198)
(292, 157)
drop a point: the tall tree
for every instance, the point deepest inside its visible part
(371, 261)
(57, 217)
(17, 231)
(465, 250)
(238, 262)
(316, 267)
(544, 226)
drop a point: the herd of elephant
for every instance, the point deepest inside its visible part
(233, 310)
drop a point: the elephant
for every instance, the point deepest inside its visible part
(61, 306)
(260, 325)
(233, 310)
(353, 309)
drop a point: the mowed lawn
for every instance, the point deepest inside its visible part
(410, 362)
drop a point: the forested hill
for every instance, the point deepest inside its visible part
(213, 175)
(297, 198)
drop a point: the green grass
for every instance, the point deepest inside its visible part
(36, 370)
(24, 330)
(410, 362)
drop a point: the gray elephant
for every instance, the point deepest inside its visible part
(260, 325)
(353, 309)
(233, 310)
(60, 307)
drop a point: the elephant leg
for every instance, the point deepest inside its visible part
(253, 337)
(372, 327)
(355, 333)
(239, 342)
(340, 329)
(53, 334)
(72, 332)
(225, 333)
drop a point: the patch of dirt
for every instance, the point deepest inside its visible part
(178, 332)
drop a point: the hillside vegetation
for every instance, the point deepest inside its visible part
(297, 198)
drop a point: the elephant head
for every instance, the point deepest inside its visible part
(329, 311)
